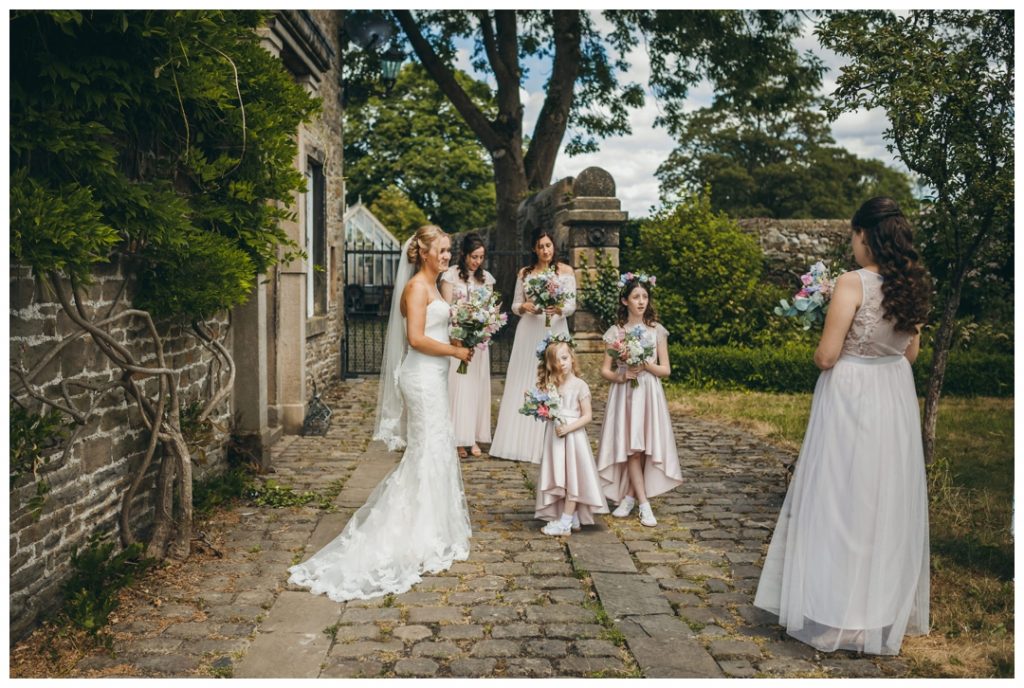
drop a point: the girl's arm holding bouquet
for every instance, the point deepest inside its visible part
(844, 304)
(662, 367)
(610, 371)
(586, 415)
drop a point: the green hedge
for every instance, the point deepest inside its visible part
(792, 369)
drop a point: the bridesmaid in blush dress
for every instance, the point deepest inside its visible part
(517, 437)
(847, 568)
(469, 393)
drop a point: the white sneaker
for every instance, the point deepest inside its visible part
(576, 525)
(625, 507)
(647, 515)
(556, 528)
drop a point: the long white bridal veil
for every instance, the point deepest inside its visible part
(390, 423)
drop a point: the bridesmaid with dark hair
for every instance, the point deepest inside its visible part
(516, 436)
(847, 568)
(469, 394)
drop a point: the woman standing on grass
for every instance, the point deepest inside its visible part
(847, 568)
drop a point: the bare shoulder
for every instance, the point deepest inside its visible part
(848, 279)
(416, 291)
(565, 269)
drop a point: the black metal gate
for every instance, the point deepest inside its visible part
(369, 278)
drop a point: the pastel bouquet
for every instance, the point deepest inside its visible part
(631, 347)
(542, 404)
(546, 290)
(475, 319)
(810, 304)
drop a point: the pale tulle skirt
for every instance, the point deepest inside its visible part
(516, 436)
(567, 471)
(637, 420)
(847, 567)
(470, 400)
(416, 520)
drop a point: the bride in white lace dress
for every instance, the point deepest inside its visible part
(416, 520)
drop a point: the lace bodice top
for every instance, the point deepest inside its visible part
(871, 334)
(460, 289)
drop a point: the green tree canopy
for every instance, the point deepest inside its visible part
(167, 136)
(414, 142)
(401, 216)
(587, 93)
(768, 152)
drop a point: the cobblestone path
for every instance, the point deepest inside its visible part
(617, 599)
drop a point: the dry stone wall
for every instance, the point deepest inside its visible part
(791, 246)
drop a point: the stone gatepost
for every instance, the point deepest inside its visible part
(586, 219)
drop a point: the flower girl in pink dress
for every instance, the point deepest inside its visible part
(637, 456)
(568, 489)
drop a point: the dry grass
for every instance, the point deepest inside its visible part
(971, 496)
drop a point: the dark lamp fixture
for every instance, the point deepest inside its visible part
(390, 63)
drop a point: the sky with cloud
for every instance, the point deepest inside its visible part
(633, 159)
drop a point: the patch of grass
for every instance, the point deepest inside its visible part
(332, 631)
(389, 600)
(238, 484)
(91, 593)
(970, 488)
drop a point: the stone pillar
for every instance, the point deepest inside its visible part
(249, 397)
(586, 219)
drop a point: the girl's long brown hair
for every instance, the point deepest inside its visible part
(650, 315)
(906, 287)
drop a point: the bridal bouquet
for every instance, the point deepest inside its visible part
(545, 290)
(810, 304)
(542, 404)
(475, 319)
(632, 347)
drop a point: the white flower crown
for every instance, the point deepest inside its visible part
(642, 277)
(554, 338)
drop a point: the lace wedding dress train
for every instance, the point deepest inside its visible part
(416, 520)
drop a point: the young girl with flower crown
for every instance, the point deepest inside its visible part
(637, 456)
(568, 489)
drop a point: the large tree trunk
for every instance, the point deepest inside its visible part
(510, 189)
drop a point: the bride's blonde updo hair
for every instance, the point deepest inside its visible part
(425, 236)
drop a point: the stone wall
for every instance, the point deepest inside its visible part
(324, 136)
(791, 246)
(85, 491)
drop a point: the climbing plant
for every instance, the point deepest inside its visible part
(162, 142)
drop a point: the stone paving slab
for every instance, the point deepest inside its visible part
(626, 595)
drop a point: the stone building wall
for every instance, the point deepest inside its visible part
(323, 333)
(86, 489)
(791, 246)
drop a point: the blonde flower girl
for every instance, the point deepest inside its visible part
(568, 489)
